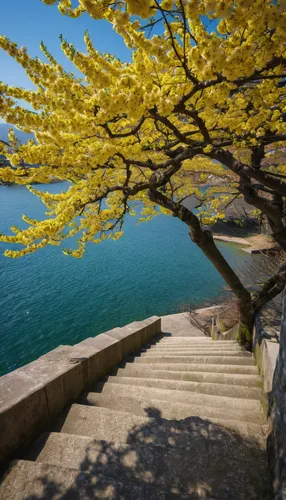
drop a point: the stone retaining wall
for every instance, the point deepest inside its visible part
(271, 360)
(32, 396)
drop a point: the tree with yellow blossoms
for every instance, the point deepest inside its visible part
(194, 102)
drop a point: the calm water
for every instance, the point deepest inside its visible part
(48, 299)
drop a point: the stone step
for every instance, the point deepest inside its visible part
(217, 378)
(190, 386)
(215, 348)
(178, 396)
(114, 425)
(191, 340)
(211, 359)
(167, 468)
(138, 405)
(195, 352)
(38, 481)
(196, 367)
(188, 342)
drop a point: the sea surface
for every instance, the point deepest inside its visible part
(48, 299)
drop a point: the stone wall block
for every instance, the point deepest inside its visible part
(145, 329)
(23, 411)
(86, 354)
(110, 352)
(126, 339)
(266, 354)
(62, 377)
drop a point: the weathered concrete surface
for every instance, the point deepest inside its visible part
(170, 468)
(136, 334)
(196, 367)
(62, 378)
(23, 409)
(266, 354)
(143, 371)
(214, 347)
(113, 425)
(214, 388)
(218, 334)
(109, 353)
(195, 341)
(141, 404)
(179, 325)
(91, 362)
(213, 359)
(195, 352)
(179, 396)
(32, 480)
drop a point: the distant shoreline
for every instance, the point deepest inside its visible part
(10, 184)
(261, 243)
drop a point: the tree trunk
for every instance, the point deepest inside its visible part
(204, 239)
(270, 289)
(244, 335)
(278, 232)
(273, 209)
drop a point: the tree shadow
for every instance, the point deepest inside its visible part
(162, 459)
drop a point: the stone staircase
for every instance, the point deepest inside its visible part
(182, 418)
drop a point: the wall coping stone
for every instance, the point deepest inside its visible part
(266, 351)
(35, 394)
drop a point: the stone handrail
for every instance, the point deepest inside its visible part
(31, 397)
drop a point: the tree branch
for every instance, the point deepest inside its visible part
(270, 288)
(239, 168)
(123, 134)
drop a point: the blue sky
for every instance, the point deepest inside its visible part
(28, 22)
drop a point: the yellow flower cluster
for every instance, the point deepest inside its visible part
(103, 132)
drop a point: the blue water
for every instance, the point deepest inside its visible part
(48, 299)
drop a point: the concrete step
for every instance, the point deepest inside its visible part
(192, 340)
(158, 466)
(143, 406)
(201, 359)
(190, 386)
(195, 352)
(37, 481)
(215, 348)
(178, 396)
(196, 367)
(113, 425)
(143, 371)
(163, 339)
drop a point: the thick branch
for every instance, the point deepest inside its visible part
(239, 168)
(271, 288)
(182, 137)
(205, 241)
(123, 134)
(199, 122)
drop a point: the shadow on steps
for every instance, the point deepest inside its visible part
(161, 459)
